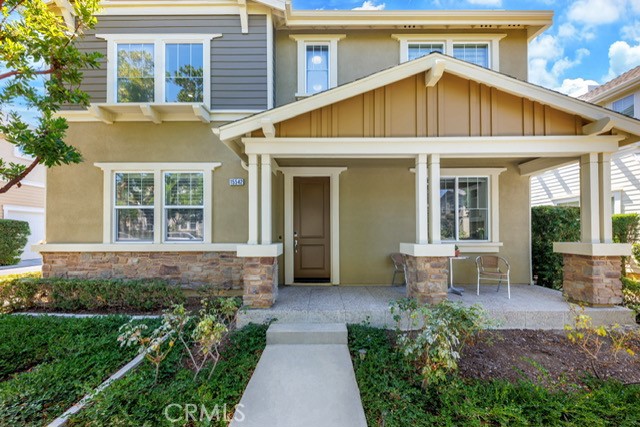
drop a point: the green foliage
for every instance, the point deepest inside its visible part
(631, 295)
(392, 395)
(94, 295)
(13, 238)
(626, 227)
(49, 363)
(551, 224)
(38, 47)
(432, 336)
(636, 252)
(137, 401)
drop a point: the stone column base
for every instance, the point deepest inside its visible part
(592, 280)
(427, 278)
(260, 277)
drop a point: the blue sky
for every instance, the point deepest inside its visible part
(590, 42)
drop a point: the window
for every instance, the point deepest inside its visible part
(157, 202)
(464, 206)
(184, 206)
(19, 153)
(317, 62)
(624, 106)
(148, 68)
(479, 49)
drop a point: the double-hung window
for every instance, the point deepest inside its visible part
(159, 68)
(625, 105)
(464, 207)
(479, 49)
(157, 202)
(317, 62)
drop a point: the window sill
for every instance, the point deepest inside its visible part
(150, 112)
(136, 247)
(479, 247)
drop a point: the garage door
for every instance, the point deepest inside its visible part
(35, 218)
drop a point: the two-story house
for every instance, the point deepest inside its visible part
(246, 144)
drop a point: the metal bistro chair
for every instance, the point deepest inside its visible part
(495, 269)
(399, 267)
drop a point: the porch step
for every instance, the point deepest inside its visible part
(307, 333)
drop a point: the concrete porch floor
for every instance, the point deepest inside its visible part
(530, 307)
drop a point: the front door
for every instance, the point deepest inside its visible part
(311, 233)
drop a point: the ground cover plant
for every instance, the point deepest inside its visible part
(504, 379)
(49, 363)
(178, 397)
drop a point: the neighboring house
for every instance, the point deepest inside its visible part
(25, 203)
(561, 186)
(246, 145)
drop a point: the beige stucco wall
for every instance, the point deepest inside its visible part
(364, 52)
(75, 196)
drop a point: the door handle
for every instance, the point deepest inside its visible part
(295, 242)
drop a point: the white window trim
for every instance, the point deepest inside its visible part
(616, 198)
(159, 41)
(158, 169)
(165, 207)
(448, 40)
(303, 40)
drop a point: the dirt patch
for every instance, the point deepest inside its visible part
(546, 357)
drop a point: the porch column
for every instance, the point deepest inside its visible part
(265, 182)
(604, 168)
(422, 233)
(592, 268)
(589, 199)
(434, 199)
(253, 199)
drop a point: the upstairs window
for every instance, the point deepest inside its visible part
(625, 106)
(479, 49)
(167, 68)
(317, 62)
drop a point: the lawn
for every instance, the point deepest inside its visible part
(138, 400)
(49, 363)
(393, 397)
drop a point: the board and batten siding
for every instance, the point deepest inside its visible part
(238, 61)
(563, 184)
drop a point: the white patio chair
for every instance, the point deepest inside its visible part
(398, 267)
(494, 269)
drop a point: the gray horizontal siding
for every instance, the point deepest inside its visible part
(238, 61)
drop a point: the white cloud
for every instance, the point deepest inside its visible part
(597, 12)
(545, 46)
(547, 61)
(576, 87)
(370, 5)
(631, 31)
(622, 57)
(496, 3)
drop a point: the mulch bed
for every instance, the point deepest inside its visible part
(546, 357)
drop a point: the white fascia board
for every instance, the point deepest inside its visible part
(188, 7)
(563, 146)
(454, 66)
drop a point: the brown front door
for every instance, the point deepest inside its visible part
(311, 230)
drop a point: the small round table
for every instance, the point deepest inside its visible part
(453, 289)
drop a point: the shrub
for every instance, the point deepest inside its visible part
(626, 229)
(78, 294)
(551, 224)
(631, 295)
(13, 238)
(636, 252)
(440, 333)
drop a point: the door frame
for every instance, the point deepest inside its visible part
(334, 217)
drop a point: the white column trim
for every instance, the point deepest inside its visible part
(434, 199)
(252, 185)
(422, 233)
(604, 188)
(589, 199)
(334, 174)
(265, 205)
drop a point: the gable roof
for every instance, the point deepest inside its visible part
(439, 63)
(613, 87)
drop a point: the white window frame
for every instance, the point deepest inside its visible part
(304, 40)
(158, 170)
(159, 41)
(632, 97)
(115, 207)
(165, 207)
(448, 40)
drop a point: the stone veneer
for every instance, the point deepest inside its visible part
(223, 270)
(592, 280)
(427, 278)
(260, 277)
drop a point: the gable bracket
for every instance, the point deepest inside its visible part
(268, 128)
(598, 127)
(101, 114)
(150, 113)
(434, 74)
(244, 16)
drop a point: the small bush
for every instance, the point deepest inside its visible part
(13, 238)
(551, 224)
(631, 295)
(636, 252)
(626, 227)
(93, 295)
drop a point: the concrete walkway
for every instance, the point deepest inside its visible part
(25, 266)
(304, 378)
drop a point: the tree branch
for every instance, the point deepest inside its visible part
(16, 72)
(17, 179)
